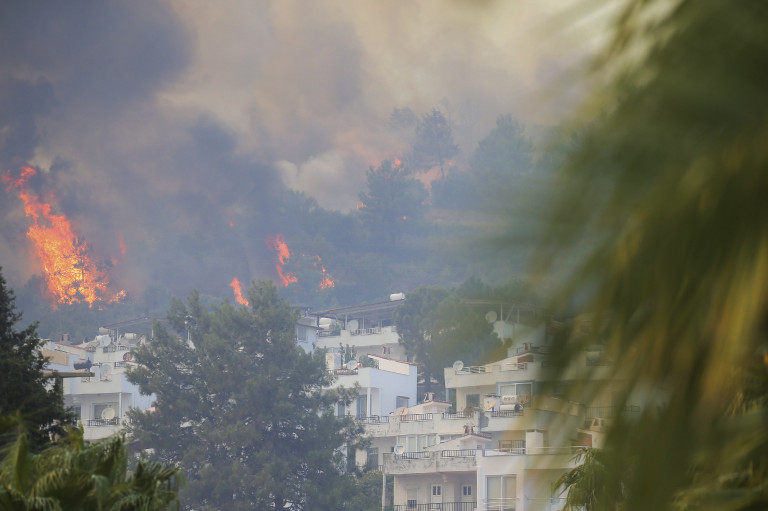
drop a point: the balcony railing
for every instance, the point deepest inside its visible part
(457, 415)
(413, 455)
(458, 453)
(442, 506)
(506, 504)
(112, 349)
(104, 422)
(374, 419)
(519, 451)
(366, 331)
(415, 417)
(507, 413)
(530, 348)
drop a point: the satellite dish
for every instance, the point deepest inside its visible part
(491, 317)
(399, 449)
(353, 325)
(352, 364)
(104, 340)
(108, 413)
(458, 366)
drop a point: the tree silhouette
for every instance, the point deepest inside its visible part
(434, 143)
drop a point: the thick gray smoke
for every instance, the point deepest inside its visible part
(174, 127)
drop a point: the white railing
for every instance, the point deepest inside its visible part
(506, 504)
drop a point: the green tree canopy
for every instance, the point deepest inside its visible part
(434, 143)
(240, 407)
(394, 203)
(23, 387)
(437, 327)
(668, 183)
(71, 474)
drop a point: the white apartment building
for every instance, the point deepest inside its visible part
(368, 328)
(100, 401)
(509, 439)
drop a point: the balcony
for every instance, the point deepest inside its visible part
(442, 506)
(103, 422)
(374, 419)
(425, 462)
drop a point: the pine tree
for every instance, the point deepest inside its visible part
(23, 388)
(241, 407)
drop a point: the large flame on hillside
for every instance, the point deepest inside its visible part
(277, 243)
(70, 273)
(235, 285)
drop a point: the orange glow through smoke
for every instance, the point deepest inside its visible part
(235, 285)
(70, 273)
(327, 281)
(277, 244)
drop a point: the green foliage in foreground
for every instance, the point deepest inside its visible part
(23, 387)
(668, 183)
(70, 475)
(241, 408)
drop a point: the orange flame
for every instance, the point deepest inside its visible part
(235, 285)
(327, 280)
(70, 274)
(277, 243)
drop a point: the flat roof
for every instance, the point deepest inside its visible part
(371, 311)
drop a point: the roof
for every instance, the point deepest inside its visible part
(371, 312)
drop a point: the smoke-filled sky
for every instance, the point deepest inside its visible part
(160, 122)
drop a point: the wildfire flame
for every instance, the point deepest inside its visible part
(277, 243)
(327, 281)
(235, 285)
(70, 273)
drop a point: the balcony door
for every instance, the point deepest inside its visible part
(501, 493)
(467, 492)
(437, 495)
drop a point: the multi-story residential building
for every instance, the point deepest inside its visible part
(368, 328)
(510, 437)
(100, 401)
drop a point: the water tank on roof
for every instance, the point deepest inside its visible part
(396, 296)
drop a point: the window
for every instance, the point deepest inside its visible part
(339, 409)
(473, 400)
(372, 463)
(401, 402)
(501, 492)
(437, 490)
(466, 490)
(78, 412)
(362, 406)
